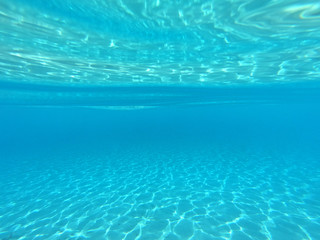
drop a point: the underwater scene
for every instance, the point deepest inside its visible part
(159, 119)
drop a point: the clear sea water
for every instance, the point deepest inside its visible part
(160, 119)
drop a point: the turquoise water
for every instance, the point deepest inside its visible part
(140, 119)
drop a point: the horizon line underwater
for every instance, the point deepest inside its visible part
(159, 119)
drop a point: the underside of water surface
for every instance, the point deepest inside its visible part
(221, 140)
(196, 42)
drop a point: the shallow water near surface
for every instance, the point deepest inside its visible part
(159, 119)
